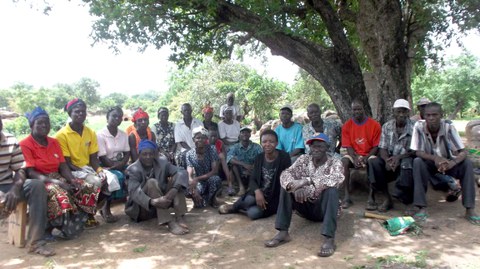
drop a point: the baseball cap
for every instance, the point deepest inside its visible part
(401, 103)
(319, 137)
(287, 107)
(423, 101)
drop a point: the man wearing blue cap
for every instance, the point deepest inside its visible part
(310, 186)
(155, 186)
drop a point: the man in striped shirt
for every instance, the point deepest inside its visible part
(15, 187)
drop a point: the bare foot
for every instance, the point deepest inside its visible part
(175, 228)
(280, 238)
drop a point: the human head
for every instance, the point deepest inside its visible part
(114, 116)
(77, 110)
(421, 106)
(245, 134)
(207, 113)
(269, 141)
(358, 110)
(147, 150)
(230, 98)
(36, 113)
(186, 111)
(286, 113)
(228, 113)
(433, 116)
(200, 136)
(162, 114)
(212, 135)
(314, 113)
(401, 111)
(39, 122)
(140, 119)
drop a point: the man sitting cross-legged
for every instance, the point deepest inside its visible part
(155, 187)
(310, 187)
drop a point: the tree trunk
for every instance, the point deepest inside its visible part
(458, 108)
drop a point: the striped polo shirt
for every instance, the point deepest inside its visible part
(11, 157)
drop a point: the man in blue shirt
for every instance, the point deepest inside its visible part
(290, 138)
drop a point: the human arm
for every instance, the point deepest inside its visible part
(132, 142)
(296, 175)
(192, 185)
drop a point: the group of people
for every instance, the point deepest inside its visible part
(66, 180)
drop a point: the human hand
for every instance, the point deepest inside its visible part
(161, 202)
(300, 196)
(12, 198)
(296, 184)
(393, 162)
(260, 199)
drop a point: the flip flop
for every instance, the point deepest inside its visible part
(176, 229)
(475, 220)
(326, 251)
(371, 206)
(275, 242)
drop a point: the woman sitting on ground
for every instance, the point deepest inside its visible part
(69, 199)
(139, 132)
(261, 199)
(202, 168)
(114, 153)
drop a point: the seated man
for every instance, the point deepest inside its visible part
(237, 113)
(332, 128)
(241, 157)
(155, 188)
(360, 136)
(183, 134)
(310, 187)
(290, 138)
(395, 160)
(14, 186)
(421, 109)
(439, 149)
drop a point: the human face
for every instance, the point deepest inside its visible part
(208, 116)
(78, 114)
(433, 116)
(187, 111)
(421, 109)
(245, 135)
(41, 126)
(230, 100)
(146, 157)
(358, 111)
(269, 143)
(115, 118)
(401, 115)
(318, 149)
(313, 113)
(212, 137)
(163, 116)
(200, 140)
(228, 114)
(285, 116)
(142, 124)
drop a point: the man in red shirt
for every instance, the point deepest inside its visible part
(360, 136)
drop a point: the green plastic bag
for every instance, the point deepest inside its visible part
(398, 225)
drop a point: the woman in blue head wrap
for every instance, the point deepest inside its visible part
(69, 199)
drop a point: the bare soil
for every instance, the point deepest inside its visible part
(447, 240)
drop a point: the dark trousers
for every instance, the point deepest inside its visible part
(248, 203)
(323, 209)
(423, 170)
(378, 176)
(35, 194)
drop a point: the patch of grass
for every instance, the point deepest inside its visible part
(50, 264)
(140, 249)
(420, 261)
(348, 258)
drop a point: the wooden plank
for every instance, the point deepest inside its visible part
(17, 225)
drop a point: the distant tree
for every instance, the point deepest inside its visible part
(87, 89)
(310, 90)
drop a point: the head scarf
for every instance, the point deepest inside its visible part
(199, 129)
(35, 114)
(207, 109)
(139, 114)
(70, 105)
(146, 144)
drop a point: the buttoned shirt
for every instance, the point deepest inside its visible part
(448, 140)
(390, 140)
(184, 134)
(328, 175)
(331, 127)
(244, 154)
(113, 147)
(11, 157)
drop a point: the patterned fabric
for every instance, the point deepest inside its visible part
(329, 175)
(393, 143)
(448, 140)
(165, 136)
(11, 157)
(331, 127)
(242, 154)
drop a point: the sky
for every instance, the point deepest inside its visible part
(43, 50)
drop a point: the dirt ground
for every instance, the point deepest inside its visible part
(233, 241)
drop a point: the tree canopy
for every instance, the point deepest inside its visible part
(335, 41)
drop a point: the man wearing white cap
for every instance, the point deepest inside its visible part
(421, 109)
(395, 159)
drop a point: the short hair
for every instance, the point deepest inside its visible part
(357, 101)
(162, 108)
(269, 132)
(434, 104)
(185, 104)
(314, 105)
(115, 108)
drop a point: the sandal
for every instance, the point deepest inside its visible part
(275, 242)
(109, 218)
(176, 229)
(475, 220)
(346, 203)
(327, 249)
(42, 251)
(371, 206)
(453, 195)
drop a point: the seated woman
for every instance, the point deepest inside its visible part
(79, 147)
(139, 132)
(207, 112)
(261, 199)
(202, 168)
(114, 153)
(69, 199)
(229, 128)
(165, 132)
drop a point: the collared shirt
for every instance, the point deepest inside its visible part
(77, 147)
(184, 134)
(290, 138)
(203, 166)
(448, 140)
(244, 154)
(361, 136)
(165, 136)
(11, 157)
(331, 127)
(229, 132)
(45, 159)
(328, 175)
(113, 147)
(392, 142)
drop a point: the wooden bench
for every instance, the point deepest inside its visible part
(17, 225)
